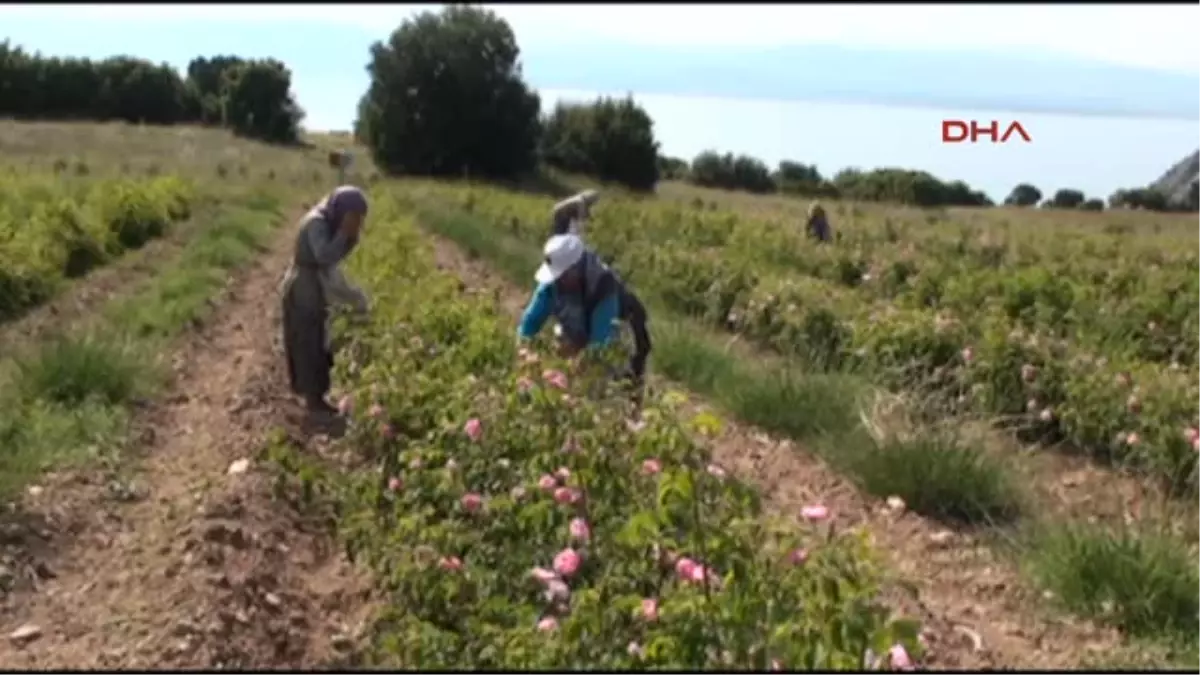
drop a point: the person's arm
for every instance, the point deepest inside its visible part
(603, 317)
(328, 248)
(340, 290)
(569, 211)
(536, 312)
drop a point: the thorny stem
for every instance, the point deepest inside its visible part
(701, 545)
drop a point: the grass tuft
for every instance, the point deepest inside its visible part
(71, 371)
(1145, 583)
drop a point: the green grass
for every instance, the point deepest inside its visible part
(1140, 581)
(67, 400)
(70, 371)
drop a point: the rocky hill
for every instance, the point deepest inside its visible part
(1177, 183)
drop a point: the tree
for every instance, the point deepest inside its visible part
(743, 172)
(258, 102)
(801, 179)
(672, 168)
(207, 81)
(1092, 204)
(1067, 198)
(905, 186)
(446, 98)
(609, 139)
(1138, 198)
(1023, 195)
(254, 95)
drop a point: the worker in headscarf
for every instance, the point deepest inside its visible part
(571, 214)
(818, 224)
(587, 299)
(313, 284)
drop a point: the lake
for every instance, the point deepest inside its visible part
(1094, 154)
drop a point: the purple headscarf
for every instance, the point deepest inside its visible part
(344, 200)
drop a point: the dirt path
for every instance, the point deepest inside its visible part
(192, 565)
(976, 612)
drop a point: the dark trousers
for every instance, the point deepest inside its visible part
(635, 314)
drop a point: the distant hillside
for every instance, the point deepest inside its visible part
(1177, 182)
(1030, 82)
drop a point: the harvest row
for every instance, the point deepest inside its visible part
(519, 525)
(997, 348)
(54, 228)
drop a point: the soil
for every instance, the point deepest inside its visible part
(191, 562)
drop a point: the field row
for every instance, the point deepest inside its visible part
(986, 361)
(53, 228)
(517, 524)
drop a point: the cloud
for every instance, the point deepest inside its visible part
(1160, 36)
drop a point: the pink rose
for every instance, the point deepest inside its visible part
(346, 404)
(395, 484)
(899, 657)
(563, 473)
(543, 575)
(474, 429)
(651, 467)
(555, 378)
(580, 530)
(451, 563)
(547, 482)
(557, 590)
(684, 567)
(799, 556)
(547, 624)
(471, 502)
(375, 411)
(566, 563)
(566, 495)
(650, 609)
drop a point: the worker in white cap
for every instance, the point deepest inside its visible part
(587, 298)
(571, 214)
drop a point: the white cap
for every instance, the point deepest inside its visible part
(562, 251)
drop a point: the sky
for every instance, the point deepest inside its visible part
(1136, 65)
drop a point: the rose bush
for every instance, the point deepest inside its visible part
(54, 228)
(516, 524)
(902, 302)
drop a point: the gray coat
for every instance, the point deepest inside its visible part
(312, 284)
(570, 214)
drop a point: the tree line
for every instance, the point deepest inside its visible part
(1145, 198)
(447, 97)
(251, 97)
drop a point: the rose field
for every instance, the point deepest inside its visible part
(954, 438)
(518, 526)
(1075, 337)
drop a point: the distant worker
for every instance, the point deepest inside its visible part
(587, 299)
(313, 283)
(571, 214)
(818, 224)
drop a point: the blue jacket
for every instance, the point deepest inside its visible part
(569, 309)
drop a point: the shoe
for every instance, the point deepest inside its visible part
(321, 406)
